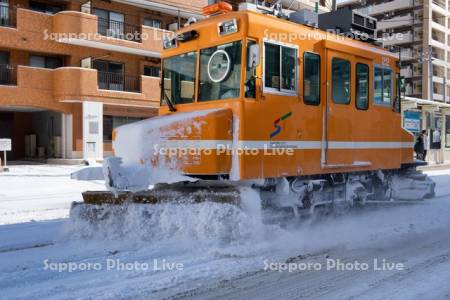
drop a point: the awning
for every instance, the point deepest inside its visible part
(424, 102)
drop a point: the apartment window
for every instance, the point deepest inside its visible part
(4, 13)
(46, 62)
(111, 122)
(153, 23)
(45, 7)
(151, 71)
(311, 78)
(280, 68)
(382, 86)
(4, 58)
(108, 66)
(110, 23)
(5, 70)
(362, 86)
(341, 81)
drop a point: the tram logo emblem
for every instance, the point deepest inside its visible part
(277, 125)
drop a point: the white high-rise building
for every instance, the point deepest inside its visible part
(418, 30)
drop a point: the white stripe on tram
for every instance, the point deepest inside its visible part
(301, 145)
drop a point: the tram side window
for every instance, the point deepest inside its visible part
(362, 86)
(288, 69)
(280, 68)
(341, 81)
(311, 78)
(382, 86)
(387, 86)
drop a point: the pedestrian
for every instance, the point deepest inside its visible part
(436, 142)
(426, 145)
(419, 147)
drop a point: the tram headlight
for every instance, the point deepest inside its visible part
(169, 43)
(228, 27)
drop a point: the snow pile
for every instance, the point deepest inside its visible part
(188, 225)
(140, 146)
(39, 192)
(143, 154)
(246, 230)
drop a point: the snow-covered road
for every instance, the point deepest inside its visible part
(211, 251)
(425, 257)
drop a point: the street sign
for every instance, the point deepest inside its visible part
(412, 121)
(5, 145)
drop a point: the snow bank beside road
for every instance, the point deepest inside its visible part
(39, 192)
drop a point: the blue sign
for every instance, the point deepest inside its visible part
(412, 121)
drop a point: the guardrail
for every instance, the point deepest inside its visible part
(119, 82)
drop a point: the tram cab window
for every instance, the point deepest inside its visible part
(280, 68)
(362, 86)
(382, 86)
(341, 81)
(220, 72)
(311, 78)
(252, 63)
(179, 78)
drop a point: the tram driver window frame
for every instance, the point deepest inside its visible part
(311, 78)
(361, 82)
(341, 87)
(275, 79)
(382, 92)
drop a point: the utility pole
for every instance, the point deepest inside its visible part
(430, 73)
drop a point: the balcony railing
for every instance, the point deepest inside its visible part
(405, 53)
(439, 3)
(119, 30)
(400, 21)
(387, 6)
(7, 75)
(406, 72)
(7, 16)
(398, 38)
(119, 82)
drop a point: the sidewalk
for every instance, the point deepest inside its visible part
(435, 167)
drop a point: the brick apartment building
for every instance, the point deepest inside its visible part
(70, 71)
